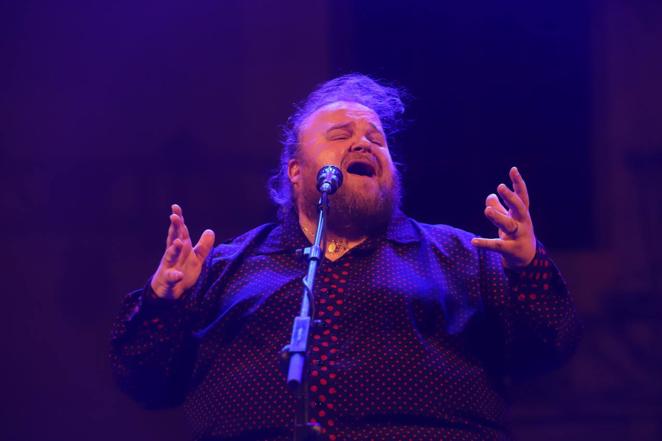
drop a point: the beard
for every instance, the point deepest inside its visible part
(362, 206)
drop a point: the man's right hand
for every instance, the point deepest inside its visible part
(181, 263)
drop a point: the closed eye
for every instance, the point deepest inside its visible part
(338, 134)
(376, 140)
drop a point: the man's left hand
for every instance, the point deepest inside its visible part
(516, 242)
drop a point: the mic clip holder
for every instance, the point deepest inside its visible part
(307, 252)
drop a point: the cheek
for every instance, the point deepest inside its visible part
(387, 163)
(328, 157)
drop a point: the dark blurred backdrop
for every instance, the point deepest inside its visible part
(110, 112)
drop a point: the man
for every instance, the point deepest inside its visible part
(419, 325)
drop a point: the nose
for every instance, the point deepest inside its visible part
(361, 146)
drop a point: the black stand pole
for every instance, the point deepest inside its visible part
(297, 349)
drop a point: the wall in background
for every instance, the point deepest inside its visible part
(108, 113)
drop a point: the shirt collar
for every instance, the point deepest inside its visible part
(401, 229)
(288, 236)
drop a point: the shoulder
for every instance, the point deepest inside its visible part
(445, 235)
(456, 244)
(449, 243)
(235, 246)
(404, 229)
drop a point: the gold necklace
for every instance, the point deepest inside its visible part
(337, 246)
(334, 246)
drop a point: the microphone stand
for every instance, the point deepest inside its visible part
(297, 380)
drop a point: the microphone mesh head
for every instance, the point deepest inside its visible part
(329, 179)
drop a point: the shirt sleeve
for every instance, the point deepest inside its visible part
(533, 310)
(152, 346)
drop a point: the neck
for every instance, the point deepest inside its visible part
(337, 243)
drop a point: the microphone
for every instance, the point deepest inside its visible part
(329, 179)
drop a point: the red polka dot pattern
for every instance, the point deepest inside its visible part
(419, 331)
(323, 362)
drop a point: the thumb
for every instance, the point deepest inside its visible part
(205, 244)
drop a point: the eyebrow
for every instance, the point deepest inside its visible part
(348, 125)
(339, 126)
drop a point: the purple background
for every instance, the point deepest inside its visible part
(111, 112)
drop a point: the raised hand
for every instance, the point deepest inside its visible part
(181, 263)
(516, 242)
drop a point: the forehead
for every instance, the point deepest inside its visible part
(340, 112)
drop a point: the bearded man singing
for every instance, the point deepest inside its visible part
(420, 327)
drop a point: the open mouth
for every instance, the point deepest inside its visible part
(361, 168)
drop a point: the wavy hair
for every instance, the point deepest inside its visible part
(385, 100)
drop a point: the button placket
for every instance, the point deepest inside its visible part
(324, 353)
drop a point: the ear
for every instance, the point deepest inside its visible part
(294, 172)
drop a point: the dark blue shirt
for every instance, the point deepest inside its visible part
(419, 330)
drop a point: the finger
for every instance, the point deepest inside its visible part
(184, 253)
(181, 229)
(519, 186)
(176, 209)
(184, 230)
(513, 202)
(497, 245)
(494, 202)
(174, 221)
(172, 252)
(205, 244)
(503, 222)
(173, 276)
(172, 234)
